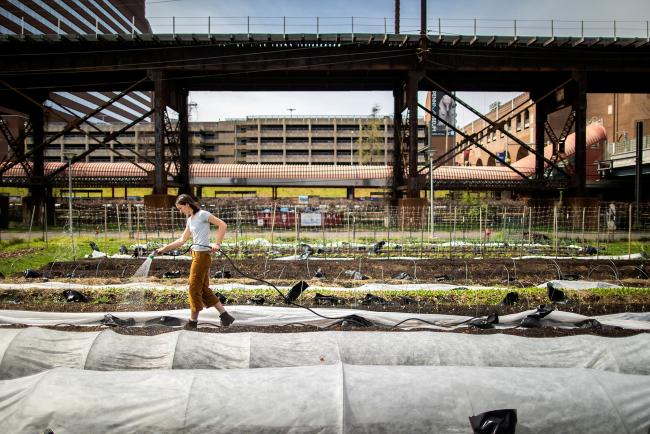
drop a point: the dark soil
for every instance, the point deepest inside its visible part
(20, 252)
(544, 332)
(501, 272)
(518, 273)
(592, 309)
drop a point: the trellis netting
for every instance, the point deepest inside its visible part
(324, 399)
(449, 228)
(29, 351)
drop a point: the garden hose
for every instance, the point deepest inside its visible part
(349, 318)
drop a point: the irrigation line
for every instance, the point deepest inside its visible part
(352, 318)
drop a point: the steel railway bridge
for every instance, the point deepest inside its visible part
(558, 72)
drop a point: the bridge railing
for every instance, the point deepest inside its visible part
(375, 25)
(627, 145)
(386, 25)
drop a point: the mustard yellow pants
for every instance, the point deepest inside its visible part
(200, 293)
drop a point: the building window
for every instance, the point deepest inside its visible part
(519, 122)
(271, 127)
(526, 118)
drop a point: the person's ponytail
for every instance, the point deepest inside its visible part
(186, 199)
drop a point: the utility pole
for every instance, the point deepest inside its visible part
(69, 158)
(397, 17)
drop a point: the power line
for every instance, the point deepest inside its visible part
(146, 65)
(226, 74)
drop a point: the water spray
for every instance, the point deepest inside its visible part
(143, 271)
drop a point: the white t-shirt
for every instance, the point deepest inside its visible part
(200, 229)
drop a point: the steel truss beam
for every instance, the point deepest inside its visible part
(464, 144)
(69, 126)
(15, 143)
(470, 138)
(558, 142)
(498, 126)
(113, 137)
(172, 136)
(101, 143)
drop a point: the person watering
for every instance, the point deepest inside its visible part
(198, 226)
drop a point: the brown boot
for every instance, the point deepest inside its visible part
(191, 325)
(226, 319)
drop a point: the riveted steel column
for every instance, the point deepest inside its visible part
(160, 178)
(398, 170)
(412, 101)
(540, 120)
(580, 107)
(184, 143)
(34, 204)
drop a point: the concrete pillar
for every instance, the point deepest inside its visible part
(259, 141)
(309, 141)
(284, 142)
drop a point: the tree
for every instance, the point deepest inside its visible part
(370, 137)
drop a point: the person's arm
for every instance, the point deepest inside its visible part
(175, 244)
(221, 231)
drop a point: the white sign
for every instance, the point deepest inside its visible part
(310, 219)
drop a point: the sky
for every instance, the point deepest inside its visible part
(456, 16)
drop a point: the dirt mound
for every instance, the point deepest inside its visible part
(474, 271)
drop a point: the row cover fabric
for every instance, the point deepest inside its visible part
(324, 399)
(29, 351)
(251, 315)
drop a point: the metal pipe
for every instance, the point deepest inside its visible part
(69, 157)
